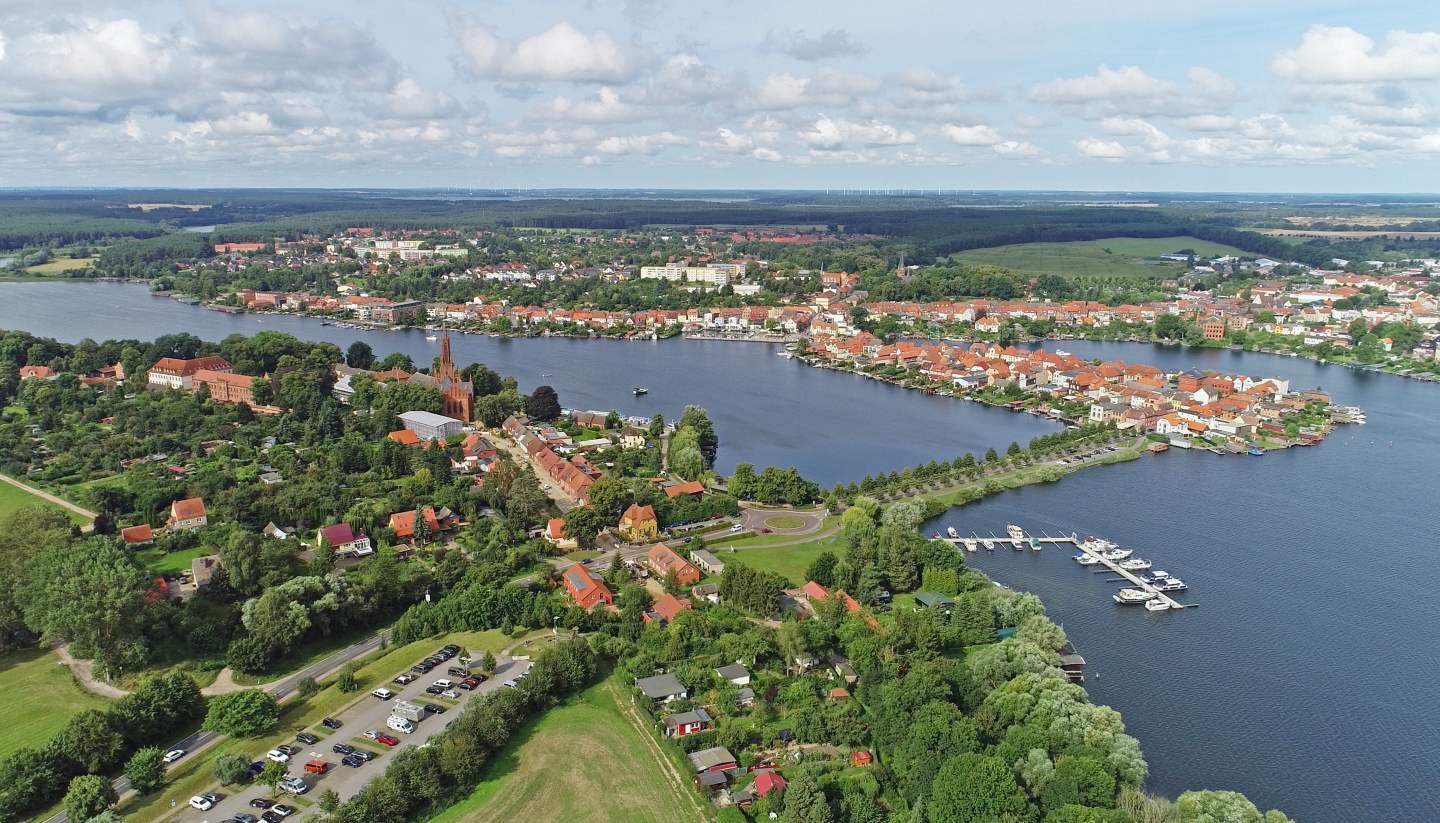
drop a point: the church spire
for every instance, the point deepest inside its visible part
(447, 365)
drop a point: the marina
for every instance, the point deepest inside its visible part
(1149, 589)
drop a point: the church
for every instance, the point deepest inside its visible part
(458, 395)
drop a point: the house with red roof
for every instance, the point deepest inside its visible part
(175, 373)
(137, 536)
(403, 523)
(188, 514)
(768, 781)
(36, 373)
(405, 437)
(662, 560)
(694, 488)
(586, 588)
(344, 540)
(665, 609)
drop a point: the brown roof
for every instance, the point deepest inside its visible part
(188, 509)
(138, 534)
(637, 514)
(174, 365)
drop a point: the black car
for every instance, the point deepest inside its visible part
(271, 817)
(342, 748)
(452, 648)
(255, 769)
(352, 761)
(434, 689)
(331, 723)
(288, 749)
(434, 708)
(261, 803)
(363, 754)
(307, 738)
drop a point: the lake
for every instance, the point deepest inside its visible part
(1306, 678)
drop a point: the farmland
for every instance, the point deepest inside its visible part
(582, 761)
(62, 265)
(1112, 257)
(41, 696)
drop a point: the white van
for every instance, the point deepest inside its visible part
(399, 724)
(383, 694)
(442, 683)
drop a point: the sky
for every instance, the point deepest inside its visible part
(1121, 95)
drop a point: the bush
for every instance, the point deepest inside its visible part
(146, 770)
(231, 768)
(247, 713)
(88, 796)
(307, 688)
(345, 681)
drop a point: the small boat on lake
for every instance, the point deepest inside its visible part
(988, 544)
(639, 391)
(1086, 559)
(1015, 531)
(1157, 605)
(1117, 554)
(954, 535)
(1133, 597)
(1155, 576)
(1171, 584)
(1135, 564)
(1034, 544)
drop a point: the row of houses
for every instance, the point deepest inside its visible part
(574, 476)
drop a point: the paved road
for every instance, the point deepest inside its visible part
(368, 714)
(753, 518)
(199, 741)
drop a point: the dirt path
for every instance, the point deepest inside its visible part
(53, 499)
(224, 684)
(84, 671)
(678, 785)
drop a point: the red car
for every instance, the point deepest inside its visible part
(387, 740)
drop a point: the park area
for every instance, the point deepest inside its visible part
(14, 497)
(61, 265)
(1112, 257)
(40, 697)
(586, 760)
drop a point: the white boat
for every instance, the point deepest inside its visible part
(970, 545)
(1157, 605)
(1095, 544)
(1086, 559)
(988, 544)
(1015, 532)
(1061, 353)
(1034, 544)
(1135, 564)
(1155, 576)
(954, 535)
(432, 338)
(1117, 554)
(1130, 597)
(1171, 584)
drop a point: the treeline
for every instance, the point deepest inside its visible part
(96, 742)
(47, 221)
(422, 781)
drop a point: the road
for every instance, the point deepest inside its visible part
(53, 499)
(201, 740)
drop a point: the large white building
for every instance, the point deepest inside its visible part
(428, 426)
(713, 275)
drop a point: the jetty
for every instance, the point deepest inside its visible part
(1074, 540)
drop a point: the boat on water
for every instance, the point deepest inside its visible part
(639, 391)
(1095, 544)
(1117, 554)
(1157, 605)
(1034, 544)
(988, 544)
(1015, 532)
(954, 535)
(970, 545)
(1155, 576)
(1061, 353)
(935, 536)
(432, 338)
(1256, 451)
(1086, 559)
(1133, 597)
(1171, 584)
(1134, 564)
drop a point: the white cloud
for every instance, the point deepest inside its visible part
(927, 87)
(1012, 148)
(972, 135)
(1129, 90)
(560, 53)
(829, 87)
(641, 143)
(685, 78)
(1207, 122)
(826, 133)
(833, 43)
(768, 155)
(1106, 149)
(408, 101)
(604, 106)
(1329, 54)
(1130, 82)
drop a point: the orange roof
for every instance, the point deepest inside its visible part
(555, 529)
(404, 522)
(636, 515)
(405, 437)
(138, 534)
(815, 591)
(187, 509)
(669, 606)
(693, 487)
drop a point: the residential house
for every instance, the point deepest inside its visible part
(36, 373)
(405, 437)
(706, 591)
(694, 489)
(661, 688)
(767, 781)
(587, 588)
(555, 533)
(187, 514)
(718, 759)
(403, 523)
(343, 539)
(662, 560)
(707, 561)
(138, 536)
(679, 725)
(665, 609)
(735, 673)
(632, 439)
(638, 524)
(203, 568)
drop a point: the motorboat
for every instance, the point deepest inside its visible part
(935, 536)
(1154, 577)
(1034, 544)
(954, 535)
(988, 544)
(639, 391)
(1086, 559)
(1020, 544)
(1015, 532)
(1135, 564)
(1157, 605)
(432, 338)
(1095, 544)
(1171, 584)
(970, 545)
(1133, 597)
(1117, 554)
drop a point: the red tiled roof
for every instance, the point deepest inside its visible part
(188, 509)
(138, 534)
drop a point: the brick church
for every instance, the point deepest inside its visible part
(458, 395)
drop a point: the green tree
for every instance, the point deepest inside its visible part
(971, 788)
(329, 801)
(345, 681)
(805, 802)
(88, 796)
(89, 741)
(822, 569)
(246, 713)
(487, 664)
(657, 426)
(231, 768)
(272, 774)
(307, 688)
(146, 770)
(742, 482)
(359, 355)
(543, 404)
(91, 594)
(1080, 781)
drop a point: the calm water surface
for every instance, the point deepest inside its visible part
(1307, 678)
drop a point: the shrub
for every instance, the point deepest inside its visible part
(146, 770)
(231, 768)
(247, 713)
(307, 688)
(345, 681)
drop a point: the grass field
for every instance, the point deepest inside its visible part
(41, 696)
(161, 563)
(12, 498)
(1090, 258)
(789, 562)
(784, 521)
(583, 761)
(61, 265)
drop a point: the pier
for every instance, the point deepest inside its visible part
(1025, 543)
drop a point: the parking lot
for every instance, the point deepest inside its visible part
(368, 714)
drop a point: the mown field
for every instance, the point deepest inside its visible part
(62, 265)
(789, 562)
(40, 697)
(582, 761)
(1112, 257)
(12, 498)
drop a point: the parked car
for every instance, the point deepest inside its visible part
(434, 708)
(255, 769)
(450, 693)
(434, 689)
(371, 734)
(451, 647)
(737, 527)
(468, 684)
(289, 749)
(271, 817)
(261, 803)
(764, 531)
(277, 756)
(421, 668)
(282, 809)
(383, 694)
(202, 802)
(342, 748)
(404, 680)
(352, 761)
(331, 723)
(307, 738)
(363, 754)
(294, 785)
(173, 755)
(458, 671)
(387, 740)
(245, 818)
(317, 767)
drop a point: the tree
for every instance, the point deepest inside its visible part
(231, 768)
(359, 355)
(1169, 327)
(543, 404)
(971, 788)
(822, 569)
(88, 796)
(743, 483)
(906, 515)
(1079, 781)
(805, 802)
(262, 391)
(1216, 807)
(272, 774)
(92, 595)
(307, 688)
(345, 681)
(146, 770)
(329, 801)
(657, 426)
(487, 663)
(246, 713)
(89, 741)
(491, 410)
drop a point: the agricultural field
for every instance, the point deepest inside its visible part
(64, 264)
(1112, 257)
(13, 497)
(41, 696)
(583, 761)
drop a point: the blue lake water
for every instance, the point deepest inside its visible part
(1307, 678)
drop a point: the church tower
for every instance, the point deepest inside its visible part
(457, 395)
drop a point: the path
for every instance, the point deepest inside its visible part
(53, 499)
(224, 684)
(678, 785)
(202, 740)
(84, 671)
(753, 517)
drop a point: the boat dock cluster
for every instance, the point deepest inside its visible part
(1147, 587)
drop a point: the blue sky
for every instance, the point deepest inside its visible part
(1027, 94)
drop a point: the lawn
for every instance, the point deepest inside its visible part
(582, 761)
(160, 563)
(1112, 257)
(784, 521)
(62, 265)
(789, 562)
(41, 696)
(12, 498)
